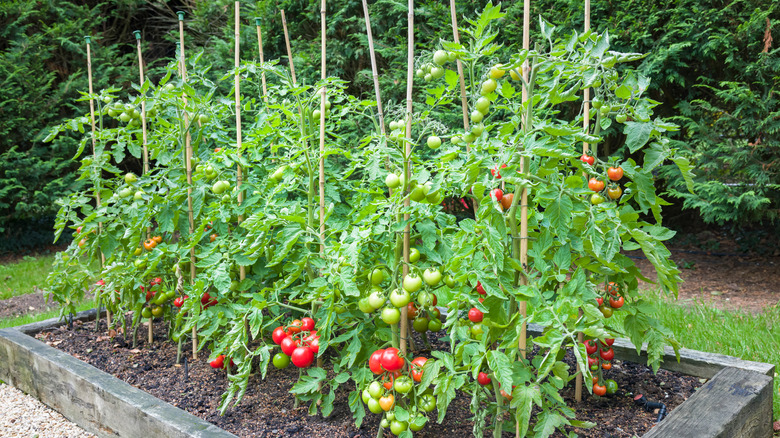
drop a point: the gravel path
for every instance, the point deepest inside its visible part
(24, 416)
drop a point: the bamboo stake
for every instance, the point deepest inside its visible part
(525, 165)
(239, 176)
(585, 147)
(137, 34)
(374, 69)
(188, 166)
(524, 194)
(262, 61)
(407, 155)
(88, 40)
(289, 49)
(462, 80)
(323, 98)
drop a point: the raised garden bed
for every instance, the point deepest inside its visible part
(736, 402)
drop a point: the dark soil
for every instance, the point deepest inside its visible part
(267, 409)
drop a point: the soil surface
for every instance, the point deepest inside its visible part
(267, 409)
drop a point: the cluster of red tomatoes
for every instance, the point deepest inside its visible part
(497, 194)
(475, 315)
(219, 362)
(614, 299)
(612, 191)
(600, 355)
(299, 343)
(380, 395)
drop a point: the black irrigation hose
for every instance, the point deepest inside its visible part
(650, 406)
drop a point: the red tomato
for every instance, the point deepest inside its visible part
(375, 362)
(219, 362)
(475, 315)
(483, 379)
(391, 361)
(302, 357)
(590, 346)
(596, 185)
(417, 368)
(616, 303)
(599, 390)
(307, 324)
(607, 354)
(314, 345)
(480, 289)
(295, 326)
(615, 173)
(278, 335)
(497, 194)
(585, 158)
(288, 345)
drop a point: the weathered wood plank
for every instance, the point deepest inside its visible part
(94, 400)
(692, 362)
(734, 404)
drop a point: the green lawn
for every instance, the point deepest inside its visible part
(19, 278)
(35, 317)
(747, 336)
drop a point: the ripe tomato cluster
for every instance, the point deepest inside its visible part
(219, 362)
(395, 386)
(299, 342)
(614, 299)
(600, 356)
(613, 191)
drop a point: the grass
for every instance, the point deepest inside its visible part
(20, 278)
(35, 317)
(754, 337)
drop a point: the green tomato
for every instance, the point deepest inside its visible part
(440, 57)
(365, 396)
(596, 103)
(612, 386)
(596, 198)
(278, 174)
(392, 181)
(426, 402)
(477, 331)
(621, 118)
(375, 390)
(417, 194)
(449, 281)
(417, 423)
(374, 406)
(376, 299)
(438, 72)
(414, 255)
(412, 283)
(483, 105)
(125, 117)
(139, 195)
(130, 178)
(146, 313)
(434, 142)
(385, 423)
(476, 116)
(203, 118)
(434, 325)
(364, 306)
(432, 277)
(400, 298)
(125, 192)
(391, 315)
(420, 324)
(403, 384)
(488, 87)
(398, 426)
(425, 299)
(281, 361)
(390, 415)
(377, 276)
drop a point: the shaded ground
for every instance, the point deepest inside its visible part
(714, 271)
(268, 408)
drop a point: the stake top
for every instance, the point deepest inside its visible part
(257, 21)
(88, 39)
(137, 34)
(181, 15)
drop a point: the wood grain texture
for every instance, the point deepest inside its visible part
(734, 404)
